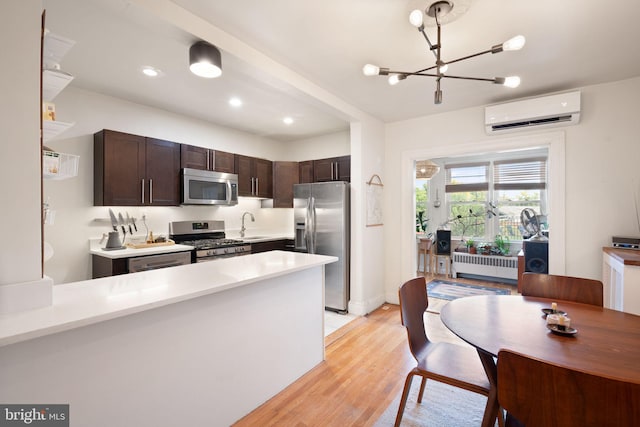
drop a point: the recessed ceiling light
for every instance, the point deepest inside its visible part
(287, 121)
(235, 102)
(150, 71)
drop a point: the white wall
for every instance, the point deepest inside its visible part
(601, 173)
(368, 261)
(19, 142)
(77, 220)
(319, 147)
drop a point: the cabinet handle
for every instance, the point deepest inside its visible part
(332, 174)
(142, 191)
(208, 161)
(150, 191)
(252, 186)
(257, 186)
(337, 173)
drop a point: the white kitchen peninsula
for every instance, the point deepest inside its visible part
(199, 345)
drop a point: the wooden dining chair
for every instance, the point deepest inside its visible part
(576, 289)
(536, 393)
(440, 361)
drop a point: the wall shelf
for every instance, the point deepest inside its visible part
(53, 128)
(53, 82)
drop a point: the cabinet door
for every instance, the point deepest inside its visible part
(263, 173)
(245, 181)
(323, 170)
(162, 172)
(119, 169)
(195, 157)
(223, 161)
(285, 175)
(343, 168)
(305, 172)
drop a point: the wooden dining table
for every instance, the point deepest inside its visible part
(607, 342)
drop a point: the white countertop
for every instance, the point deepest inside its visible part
(91, 301)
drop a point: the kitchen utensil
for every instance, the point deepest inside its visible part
(121, 222)
(114, 221)
(129, 223)
(133, 221)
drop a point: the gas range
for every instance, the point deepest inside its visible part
(208, 237)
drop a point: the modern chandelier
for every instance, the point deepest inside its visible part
(441, 12)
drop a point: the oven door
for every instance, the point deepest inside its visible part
(209, 188)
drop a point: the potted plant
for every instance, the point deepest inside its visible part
(501, 244)
(471, 246)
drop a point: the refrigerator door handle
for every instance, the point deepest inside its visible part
(312, 210)
(307, 223)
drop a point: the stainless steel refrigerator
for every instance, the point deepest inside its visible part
(321, 218)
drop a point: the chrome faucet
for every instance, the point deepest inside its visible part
(243, 228)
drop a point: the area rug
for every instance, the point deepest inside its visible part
(444, 289)
(442, 406)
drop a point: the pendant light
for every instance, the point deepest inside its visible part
(441, 12)
(205, 60)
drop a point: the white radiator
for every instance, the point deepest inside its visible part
(503, 267)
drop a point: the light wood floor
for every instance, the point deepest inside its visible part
(365, 366)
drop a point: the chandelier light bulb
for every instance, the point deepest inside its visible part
(515, 43)
(371, 70)
(443, 68)
(415, 17)
(512, 81)
(393, 79)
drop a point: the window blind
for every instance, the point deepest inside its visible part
(520, 174)
(467, 177)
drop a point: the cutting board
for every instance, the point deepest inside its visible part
(149, 245)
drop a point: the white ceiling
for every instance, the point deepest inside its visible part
(570, 43)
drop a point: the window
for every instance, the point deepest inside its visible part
(422, 205)
(486, 198)
(518, 184)
(467, 190)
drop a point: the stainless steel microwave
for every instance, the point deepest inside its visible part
(200, 187)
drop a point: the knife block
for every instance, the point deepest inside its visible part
(114, 241)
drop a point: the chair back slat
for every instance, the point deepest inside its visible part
(576, 289)
(542, 394)
(413, 304)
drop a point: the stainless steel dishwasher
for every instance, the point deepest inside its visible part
(153, 262)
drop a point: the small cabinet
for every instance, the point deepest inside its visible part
(206, 159)
(332, 169)
(255, 177)
(272, 245)
(133, 170)
(305, 172)
(285, 175)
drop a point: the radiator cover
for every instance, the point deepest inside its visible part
(504, 267)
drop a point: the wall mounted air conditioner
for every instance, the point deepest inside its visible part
(545, 111)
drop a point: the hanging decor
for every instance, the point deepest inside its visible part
(374, 201)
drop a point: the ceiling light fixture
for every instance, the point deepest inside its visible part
(205, 60)
(443, 12)
(150, 71)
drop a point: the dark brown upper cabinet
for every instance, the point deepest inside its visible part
(206, 159)
(255, 177)
(305, 172)
(285, 175)
(332, 169)
(133, 170)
